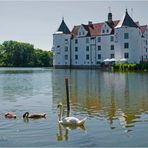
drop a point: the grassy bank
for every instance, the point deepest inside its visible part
(130, 67)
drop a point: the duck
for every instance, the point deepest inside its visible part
(69, 120)
(10, 115)
(34, 116)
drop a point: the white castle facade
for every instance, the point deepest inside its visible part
(89, 46)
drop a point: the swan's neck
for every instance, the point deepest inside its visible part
(61, 112)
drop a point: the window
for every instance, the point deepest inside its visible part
(79, 33)
(76, 57)
(87, 57)
(98, 62)
(126, 55)
(87, 40)
(103, 31)
(92, 38)
(99, 47)
(146, 49)
(126, 36)
(66, 57)
(126, 45)
(99, 39)
(76, 49)
(146, 42)
(66, 41)
(107, 30)
(99, 56)
(112, 56)
(58, 46)
(112, 47)
(87, 48)
(111, 38)
(76, 41)
(66, 48)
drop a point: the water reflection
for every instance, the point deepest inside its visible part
(118, 97)
(14, 84)
(27, 120)
(67, 128)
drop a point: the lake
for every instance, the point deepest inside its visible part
(115, 104)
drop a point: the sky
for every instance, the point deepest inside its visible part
(35, 21)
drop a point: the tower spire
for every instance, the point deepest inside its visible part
(126, 10)
(109, 15)
(63, 27)
(62, 18)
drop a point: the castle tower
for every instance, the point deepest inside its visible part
(127, 40)
(61, 46)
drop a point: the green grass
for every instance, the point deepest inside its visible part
(130, 67)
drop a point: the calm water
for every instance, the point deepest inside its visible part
(116, 105)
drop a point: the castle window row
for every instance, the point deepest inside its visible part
(126, 55)
(126, 36)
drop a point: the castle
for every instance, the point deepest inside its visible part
(90, 45)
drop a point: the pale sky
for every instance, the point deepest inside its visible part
(35, 21)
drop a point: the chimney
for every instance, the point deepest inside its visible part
(89, 22)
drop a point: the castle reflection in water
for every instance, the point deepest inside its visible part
(114, 96)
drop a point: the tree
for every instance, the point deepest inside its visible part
(18, 54)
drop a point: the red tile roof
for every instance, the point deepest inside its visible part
(75, 30)
(94, 29)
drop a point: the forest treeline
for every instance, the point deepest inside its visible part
(18, 54)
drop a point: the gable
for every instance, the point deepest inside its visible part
(106, 29)
(82, 31)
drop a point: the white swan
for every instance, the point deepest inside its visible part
(69, 120)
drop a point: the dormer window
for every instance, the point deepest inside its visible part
(107, 30)
(103, 31)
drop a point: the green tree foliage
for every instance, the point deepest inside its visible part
(130, 67)
(42, 58)
(18, 54)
